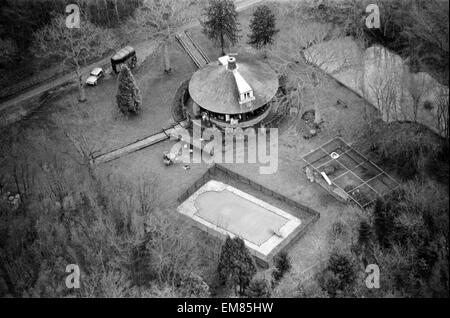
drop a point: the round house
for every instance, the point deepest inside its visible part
(233, 93)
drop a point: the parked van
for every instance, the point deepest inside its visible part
(127, 55)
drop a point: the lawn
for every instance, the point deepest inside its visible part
(99, 119)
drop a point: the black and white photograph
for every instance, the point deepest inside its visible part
(224, 154)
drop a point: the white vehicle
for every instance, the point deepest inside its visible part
(95, 75)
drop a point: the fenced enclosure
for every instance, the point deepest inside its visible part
(350, 171)
(306, 215)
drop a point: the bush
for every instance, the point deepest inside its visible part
(411, 226)
(428, 105)
(179, 103)
(282, 266)
(339, 276)
(437, 164)
(342, 266)
(330, 283)
(193, 286)
(258, 288)
(283, 81)
(339, 231)
(425, 259)
(406, 147)
(346, 13)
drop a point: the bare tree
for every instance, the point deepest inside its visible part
(116, 9)
(370, 116)
(86, 151)
(167, 251)
(72, 46)
(162, 18)
(417, 86)
(308, 80)
(312, 34)
(385, 93)
(148, 195)
(293, 45)
(429, 26)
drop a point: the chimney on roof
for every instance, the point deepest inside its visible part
(232, 63)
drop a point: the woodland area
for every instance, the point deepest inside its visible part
(415, 29)
(19, 20)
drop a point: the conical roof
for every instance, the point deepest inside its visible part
(214, 87)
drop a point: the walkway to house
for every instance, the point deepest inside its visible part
(175, 131)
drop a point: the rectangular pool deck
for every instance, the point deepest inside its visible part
(220, 209)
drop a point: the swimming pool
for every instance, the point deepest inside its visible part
(223, 210)
(256, 223)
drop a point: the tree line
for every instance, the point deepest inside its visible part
(20, 19)
(220, 24)
(416, 29)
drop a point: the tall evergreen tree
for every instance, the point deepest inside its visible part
(263, 29)
(220, 22)
(383, 222)
(343, 267)
(128, 94)
(364, 233)
(236, 265)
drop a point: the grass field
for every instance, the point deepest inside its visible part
(101, 122)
